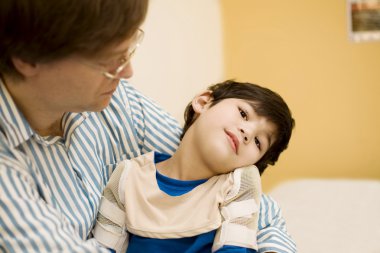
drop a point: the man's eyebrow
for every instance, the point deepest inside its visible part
(114, 53)
(119, 52)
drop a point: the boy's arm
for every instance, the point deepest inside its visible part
(272, 235)
(110, 226)
(243, 221)
(240, 212)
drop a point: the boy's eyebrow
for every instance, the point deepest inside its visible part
(269, 140)
(252, 104)
(268, 136)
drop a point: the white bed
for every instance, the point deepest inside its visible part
(332, 215)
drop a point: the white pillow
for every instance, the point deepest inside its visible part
(332, 215)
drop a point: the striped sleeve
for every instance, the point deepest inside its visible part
(273, 235)
(156, 129)
(27, 222)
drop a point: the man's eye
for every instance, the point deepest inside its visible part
(107, 63)
(111, 63)
(243, 114)
(257, 142)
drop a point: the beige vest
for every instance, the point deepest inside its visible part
(152, 213)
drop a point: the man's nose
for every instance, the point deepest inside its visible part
(127, 72)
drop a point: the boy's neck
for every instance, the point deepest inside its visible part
(184, 165)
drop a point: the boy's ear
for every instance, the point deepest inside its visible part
(25, 68)
(202, 101)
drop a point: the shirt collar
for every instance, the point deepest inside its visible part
(12, 122)
(17, 129)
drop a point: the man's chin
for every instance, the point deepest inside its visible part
(93, 108)
(102, 105)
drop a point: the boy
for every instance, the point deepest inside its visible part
(195, 200)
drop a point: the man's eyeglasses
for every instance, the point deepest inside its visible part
(124, 61)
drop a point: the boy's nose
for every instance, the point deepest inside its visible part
(244, 135)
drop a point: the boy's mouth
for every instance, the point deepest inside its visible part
(233, 140)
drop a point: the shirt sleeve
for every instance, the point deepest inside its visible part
(272, 235)
(155, 128)
(27, 222)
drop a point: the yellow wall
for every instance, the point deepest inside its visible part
(301, 50)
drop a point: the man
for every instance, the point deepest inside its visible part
(66, 120)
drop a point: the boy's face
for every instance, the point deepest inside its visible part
(230, 134)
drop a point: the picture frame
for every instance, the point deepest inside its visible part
(363, 20)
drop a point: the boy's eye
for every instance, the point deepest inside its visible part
(257, 142)
(243, 114)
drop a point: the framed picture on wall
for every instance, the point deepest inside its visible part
(364, 20)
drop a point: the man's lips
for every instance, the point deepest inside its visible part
(233, 140)
(109, 92)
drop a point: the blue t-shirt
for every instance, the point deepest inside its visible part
(196, 244)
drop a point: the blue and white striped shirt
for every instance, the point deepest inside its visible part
(50, 187)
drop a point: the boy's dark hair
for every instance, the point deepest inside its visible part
(266, 103)
(47, 30)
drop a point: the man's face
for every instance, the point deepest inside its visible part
(230, 135)
(74, 85)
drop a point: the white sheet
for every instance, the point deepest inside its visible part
(332, 215)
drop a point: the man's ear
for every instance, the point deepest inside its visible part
(202, 101)
(25, 68)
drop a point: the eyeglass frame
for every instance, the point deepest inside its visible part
(124, 61)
